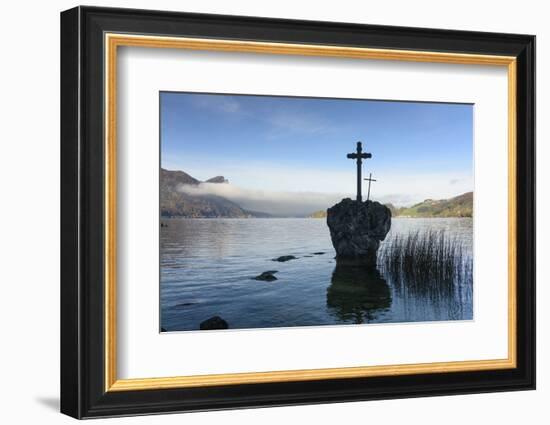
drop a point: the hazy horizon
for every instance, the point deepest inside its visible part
(281, 203)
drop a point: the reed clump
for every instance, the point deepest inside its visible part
(426, 258)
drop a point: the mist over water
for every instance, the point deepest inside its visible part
(208, 266)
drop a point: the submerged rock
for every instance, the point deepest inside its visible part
(284, 258)
(318, 253)
(266, 276)
(215, 322)
(356, 229)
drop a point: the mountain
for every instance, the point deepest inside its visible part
(459, 206)
(217, 179)
(176, 203)
(170, 179)
(394, 210)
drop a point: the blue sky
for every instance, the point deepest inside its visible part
(269, 144)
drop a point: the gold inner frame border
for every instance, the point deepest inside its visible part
(113, 40)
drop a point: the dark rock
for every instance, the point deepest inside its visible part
(356, 229)
(215, 322)
(266, 276)
(217, 179)
(318, 253)
(284, 258)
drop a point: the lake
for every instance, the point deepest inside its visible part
(208, 266)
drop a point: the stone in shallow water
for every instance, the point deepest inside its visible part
(284, 258)
(356, 229)
(267, 276)
(215, 322)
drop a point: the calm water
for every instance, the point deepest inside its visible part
(207, 266)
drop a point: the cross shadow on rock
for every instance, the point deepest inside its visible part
(357, 293)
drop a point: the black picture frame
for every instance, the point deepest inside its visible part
(83, 392)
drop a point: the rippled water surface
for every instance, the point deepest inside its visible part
(208, 265)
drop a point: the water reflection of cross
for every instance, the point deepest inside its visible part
(359, 156)
(370, 179)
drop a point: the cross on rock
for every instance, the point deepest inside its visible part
(370, 179)
(359, 156)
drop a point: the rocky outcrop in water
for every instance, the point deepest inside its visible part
(267, 276)
(356, 229)
(284, 258)
(215, 322)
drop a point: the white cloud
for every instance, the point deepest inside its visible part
(283, 122)
(280, 121)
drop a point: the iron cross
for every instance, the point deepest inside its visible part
(359, 156)
(370, 179)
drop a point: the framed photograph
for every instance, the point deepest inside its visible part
(261, 212)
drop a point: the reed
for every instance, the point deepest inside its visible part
(424, 260)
